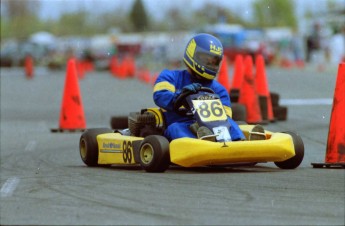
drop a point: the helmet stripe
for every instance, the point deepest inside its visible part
(191, 48)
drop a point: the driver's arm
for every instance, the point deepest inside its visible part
(224, 98)
(164, 90)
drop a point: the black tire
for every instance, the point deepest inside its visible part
(137, 121)
(119, 122)
(275, 99)
(239, 112)
(263, 102)
(296, 160)
(280, 113)
(154, 154)
(234, 95)
(88, 146)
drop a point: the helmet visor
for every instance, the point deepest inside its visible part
(209, 61)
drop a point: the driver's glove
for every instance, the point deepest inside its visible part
(194, 87)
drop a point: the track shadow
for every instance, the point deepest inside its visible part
(194, 170)
(222, 169)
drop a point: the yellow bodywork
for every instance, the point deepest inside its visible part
(189, 152)
(114, 148)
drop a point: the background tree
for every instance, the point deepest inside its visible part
(212, 14)
(19, 19)
(183, 18)
(73, 23)
(274, 13)
(176, 19)
(107, 20)
(139, 17)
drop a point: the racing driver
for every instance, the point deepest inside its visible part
(202, 57)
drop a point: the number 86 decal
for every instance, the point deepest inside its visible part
(210, 110)
(127, 151)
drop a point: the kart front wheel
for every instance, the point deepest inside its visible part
(88, 146)
(296, 160)
(154, 154)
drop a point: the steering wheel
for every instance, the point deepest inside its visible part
(181, 100)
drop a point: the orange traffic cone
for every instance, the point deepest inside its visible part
(131, 67)
(154, 78)
(262, 90)
(114, 66)
(122, 70)
(80, 69)
(300, 63)
(335, 152)
(144, 75)
(223, 77)
(286, 63)
(29, 67)
(83, 67)
(72, 114)
(88, 66)
(248, 96)
(238, 73)
(237, 79)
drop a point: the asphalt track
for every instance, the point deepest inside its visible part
(44, 181)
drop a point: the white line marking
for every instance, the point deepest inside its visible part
(31, 146)
(304, 102)
(8, 188)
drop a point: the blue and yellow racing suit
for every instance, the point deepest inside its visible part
(168, 87)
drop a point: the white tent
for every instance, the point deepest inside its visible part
(43, 38)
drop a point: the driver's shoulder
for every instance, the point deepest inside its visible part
(220, 90)
(171, 74)
(217, 87)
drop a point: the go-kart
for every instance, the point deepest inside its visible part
(143, 143)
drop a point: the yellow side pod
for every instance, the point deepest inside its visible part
(114, 148)
(190, 152)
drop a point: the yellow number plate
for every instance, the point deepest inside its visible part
(210, 110)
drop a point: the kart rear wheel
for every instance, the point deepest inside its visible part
(154, 154)
(119, 122)
(88, 146)
(296, 160)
